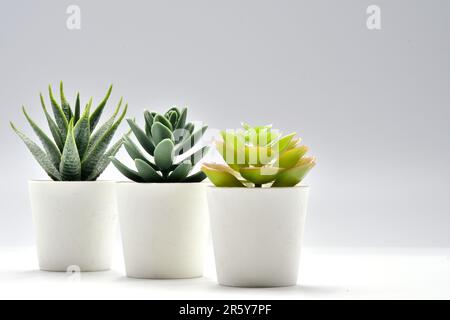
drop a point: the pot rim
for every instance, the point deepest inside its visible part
(70, 182)
(253, 188)
(160, 183)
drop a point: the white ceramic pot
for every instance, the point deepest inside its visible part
(75, 224)
(164, 228)
(257, 234)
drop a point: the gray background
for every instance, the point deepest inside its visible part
(372, 105)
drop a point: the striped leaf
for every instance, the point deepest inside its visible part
(77, 108)
(65, 106)
(40, 156)
(92, 158)
(60, 118)
(70, 167)
(50, 148)
(53, 127)
(95, 117)
(82, 131)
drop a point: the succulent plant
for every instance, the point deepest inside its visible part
(78, 151)
(166, 141)
(257, 156)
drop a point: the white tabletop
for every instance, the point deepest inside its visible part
(344, 273)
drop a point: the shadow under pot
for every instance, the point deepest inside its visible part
(164, 229)
(75, 224)
(257, 234)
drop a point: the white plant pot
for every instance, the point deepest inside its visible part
(164, 229)
(257, 234)
(75, 224)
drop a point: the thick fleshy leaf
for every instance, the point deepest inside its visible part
(293, 176)
(147, 173)
(190, 127)
(180, 173)
(60, 118)
(140, 135)
(50, 148)
(282, 144)
(77, 108)
(65, 106)
(190, 141)
(40, 156)
(91, 159)
(173, 118)
(294, 142)
(82, 131)
(163, 120)
(70, 167)
(105, 160)
(160, 132)
(260, 175)
(289, 159)
(182, 119)
(103, 128)
(127, 172)
(196, 177)
(134, 152)
(53, 127)
(221, 177)
(95, 117)
(164, 154)
(148, 123)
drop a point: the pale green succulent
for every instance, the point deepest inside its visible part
(166, 142)
(78, 151)
(257, 156)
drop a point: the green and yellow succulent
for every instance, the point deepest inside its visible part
(259, 156)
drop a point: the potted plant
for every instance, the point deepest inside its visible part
(163, 217)
(74, 215)
(257, 211)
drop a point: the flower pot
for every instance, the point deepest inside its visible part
(75, 224)
(257, 234)
(164, 229)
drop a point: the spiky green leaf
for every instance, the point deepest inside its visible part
(40, 156)
(65, 106)
(77, 108)
(95, 117)
(105, 160)
(60, 118)
(53, 127)
(82, 131)
(70, 166)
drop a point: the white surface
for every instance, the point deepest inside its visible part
(257, 234)
(324, 274)
(75, 223)
(164, 227)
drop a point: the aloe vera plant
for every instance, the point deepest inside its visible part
(79, 150)
(258, 156)
(166, 154)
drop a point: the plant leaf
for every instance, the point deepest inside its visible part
(148, 123)
(103, 128)
(140, 135)
(51, 149)
(82, 131)
(182, 119)
(60, 118)
(196, 156)
(160, 132)
(196, 177)
(105, 159)
(53, 127)
(189, 127)
(164, 154)
(293, 176)
(40, 156)
(289, 158)
(259, 175)
(65, 106)
(91, 159)
(163, 120)
(95, 117)
(77, 108)
(221, 177)
(70, 167)
(283, 143)
(147, 173)
(127, 172)
(180, 173)
(134, 152)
